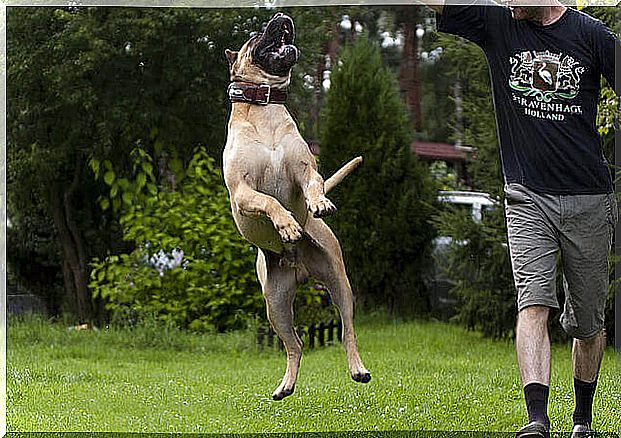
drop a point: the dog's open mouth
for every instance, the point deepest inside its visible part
(274, 50)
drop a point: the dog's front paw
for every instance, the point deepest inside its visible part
(321, 207)
(288, 228)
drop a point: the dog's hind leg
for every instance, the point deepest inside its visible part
(279, 285)
(322, 257)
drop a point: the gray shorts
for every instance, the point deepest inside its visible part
(578, 229)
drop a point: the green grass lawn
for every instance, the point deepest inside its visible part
(426, 375)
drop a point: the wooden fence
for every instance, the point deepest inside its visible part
(312, 335)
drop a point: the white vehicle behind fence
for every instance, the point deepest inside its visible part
(476, 202)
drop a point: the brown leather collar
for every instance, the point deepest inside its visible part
(257, 94)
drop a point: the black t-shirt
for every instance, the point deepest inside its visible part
(546, 85)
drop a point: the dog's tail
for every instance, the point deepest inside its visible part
(340, 174)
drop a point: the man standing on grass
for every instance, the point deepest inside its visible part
(546, 63)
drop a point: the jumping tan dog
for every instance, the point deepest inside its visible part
(277, 195)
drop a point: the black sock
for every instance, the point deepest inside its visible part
(583, 414)
(536, 396)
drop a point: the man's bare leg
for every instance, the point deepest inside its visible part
(533, 345)
(587, 357)
(533, 353)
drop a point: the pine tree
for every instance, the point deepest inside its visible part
(385, 206)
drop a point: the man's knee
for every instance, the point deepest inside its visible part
(584, 324)
(583, 337)
(534, 314)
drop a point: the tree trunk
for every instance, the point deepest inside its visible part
(75, 274)
(409, 80)
(330, 50)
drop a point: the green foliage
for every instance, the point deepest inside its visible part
(385, 205)
(33, 256)
(608, 112)
(446, 178)
(313, 305)
(90, 83)
(190, 266)
(466, 63)
(437, 105)
(478, 263)
(609, 109)
(478, 258)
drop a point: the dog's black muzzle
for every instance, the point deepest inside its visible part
(274, 51)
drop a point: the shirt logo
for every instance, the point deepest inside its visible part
(545, 76)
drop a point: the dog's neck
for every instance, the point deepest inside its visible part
(246, 92)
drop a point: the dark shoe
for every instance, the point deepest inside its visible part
(533, 430)
(582, 431)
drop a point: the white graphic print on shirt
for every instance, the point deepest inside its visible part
(545, 83)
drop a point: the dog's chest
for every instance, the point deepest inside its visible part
(274, 160)
(274, 177)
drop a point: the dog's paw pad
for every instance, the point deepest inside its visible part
(362, 377)
(279, 394)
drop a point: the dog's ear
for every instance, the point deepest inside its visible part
(231, 56)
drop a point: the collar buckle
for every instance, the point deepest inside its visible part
(268, 94)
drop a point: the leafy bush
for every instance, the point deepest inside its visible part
(313, 305)
(190, 266)
(385, 206)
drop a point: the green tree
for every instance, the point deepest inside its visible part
(385, 205)
(609, 108)
(92, 83)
